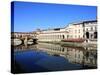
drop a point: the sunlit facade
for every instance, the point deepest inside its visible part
(52, 34)
(86, 30)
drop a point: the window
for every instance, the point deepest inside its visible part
(75, 36)
(75, 31)
(79, 36)
(86, 29)
(83, 30)
(72, 36)
(67, 36)
(91, 35)
(95, 28)
(63, 36)
(91, 28)
(79, 30)
(58, 36)
(83, 36)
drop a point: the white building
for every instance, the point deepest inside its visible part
(90, 30)
(75, 31)
(52, 34)
(85, 31)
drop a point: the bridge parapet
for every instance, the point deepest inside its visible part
(24, 37)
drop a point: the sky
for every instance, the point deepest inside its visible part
(29, 16)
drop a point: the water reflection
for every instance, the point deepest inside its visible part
(51, 57)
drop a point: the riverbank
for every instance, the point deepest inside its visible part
(71, 44)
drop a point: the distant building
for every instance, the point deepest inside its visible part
(22, 34)
(85, 31)
(82, 31)
(75, 31)
(90, 30)
(56, 34)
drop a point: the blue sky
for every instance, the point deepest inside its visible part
(29, 16)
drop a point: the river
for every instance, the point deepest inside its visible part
(45, 57)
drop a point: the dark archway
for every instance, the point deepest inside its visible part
(95, 35)
(63, 36)
(35, 41)
(87, 35)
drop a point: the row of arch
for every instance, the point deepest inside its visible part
(51, 37)
(93, 35)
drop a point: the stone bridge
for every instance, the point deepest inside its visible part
(25, 38)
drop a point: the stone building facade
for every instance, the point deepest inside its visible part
(86, 30)
(75, 31)
(52, 35)
(90, 30)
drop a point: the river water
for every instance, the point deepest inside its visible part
(44, 57)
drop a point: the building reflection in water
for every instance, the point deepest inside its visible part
(83, 56)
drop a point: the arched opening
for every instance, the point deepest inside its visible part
(87, 35)
(63, 36)
(35, 41)
(95, 35)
